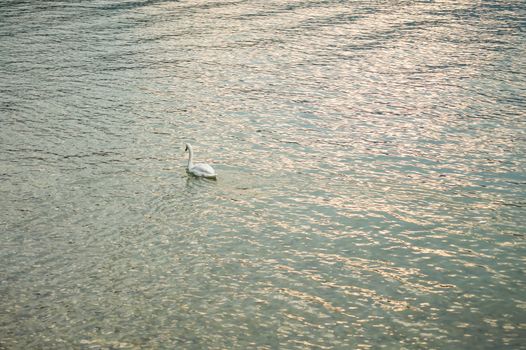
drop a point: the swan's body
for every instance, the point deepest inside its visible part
(201, 170)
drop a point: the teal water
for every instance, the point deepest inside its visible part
(371, 190)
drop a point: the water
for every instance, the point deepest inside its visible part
(371, 186)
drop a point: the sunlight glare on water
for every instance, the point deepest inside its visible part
(371, 174)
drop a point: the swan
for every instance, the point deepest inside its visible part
(201, 170)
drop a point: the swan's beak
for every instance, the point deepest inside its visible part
(186, 148)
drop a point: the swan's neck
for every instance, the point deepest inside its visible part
(190, 158)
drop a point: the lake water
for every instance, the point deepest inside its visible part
(371, 160)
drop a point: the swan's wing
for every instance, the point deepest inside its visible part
(203, 170)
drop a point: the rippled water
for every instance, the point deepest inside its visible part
(371, 186)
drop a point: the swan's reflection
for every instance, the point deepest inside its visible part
(194, 184)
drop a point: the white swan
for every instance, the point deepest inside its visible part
(201, 170)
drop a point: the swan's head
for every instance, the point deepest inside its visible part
(187, 147)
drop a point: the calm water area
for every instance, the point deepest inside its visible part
(371, 174)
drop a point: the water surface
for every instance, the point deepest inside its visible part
(371, 186)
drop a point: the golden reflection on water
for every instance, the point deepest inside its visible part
(370, 160)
